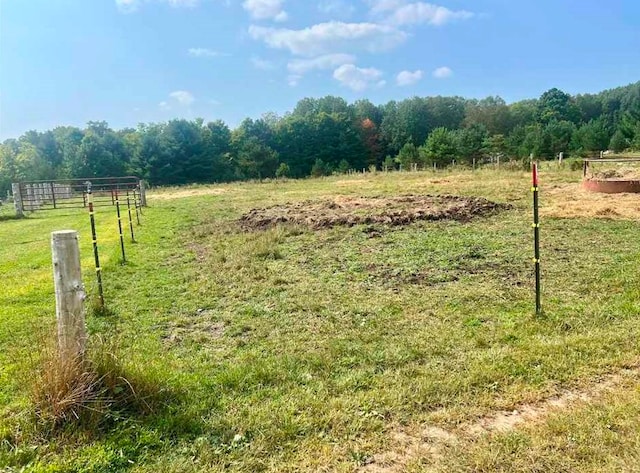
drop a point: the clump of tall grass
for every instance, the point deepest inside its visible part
(91, 389)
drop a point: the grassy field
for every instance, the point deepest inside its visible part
(392, 348)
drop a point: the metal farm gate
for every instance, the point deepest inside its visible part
(72, 193)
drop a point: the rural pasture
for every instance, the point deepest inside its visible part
(347, 323)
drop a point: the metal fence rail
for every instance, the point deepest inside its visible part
(587, 162)
(34, 196)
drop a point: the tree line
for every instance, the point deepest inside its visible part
(326, 135)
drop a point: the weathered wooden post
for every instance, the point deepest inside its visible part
(70, 295)
(17, 199)
(143, 193)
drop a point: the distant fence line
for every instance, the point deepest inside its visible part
(34, 196)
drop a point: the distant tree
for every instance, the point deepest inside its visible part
(217, 150)
(329, 104)
(590, 137)
(325, 134)
(101, 153)
(257, 160)
(635, 144)
(408, 156)
(590, 107)
(343, 166)
(495, 146)
(283, 170)
(524, 113)
(618, 142)
(559, 135)
(535, 141)
(363, 109)
(470, 142)
(491, 113)
(444, 112)
(557, 105)
(441, 147)
(371, 141)
(389, 163)
(393, 134)
(320, 168)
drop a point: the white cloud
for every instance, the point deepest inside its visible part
(204, 52)
(183, 3)
(408, 77)
(183, 97)
(381, 6)
(336, 8)
(293, 79)
(164, 105)
(442, 72)
(265, 9)
(327, 61)
(358, 79)
(330, 37)
(129, 6)
(399, 13)
(262, 64)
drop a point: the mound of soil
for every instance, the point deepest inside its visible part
(349, 211)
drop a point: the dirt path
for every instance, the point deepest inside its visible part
(430, 442)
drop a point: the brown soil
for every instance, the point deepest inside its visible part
(349, 211)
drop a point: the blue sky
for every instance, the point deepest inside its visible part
(65, 62)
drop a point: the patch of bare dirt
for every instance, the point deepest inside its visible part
(349, 211)
(430, 442)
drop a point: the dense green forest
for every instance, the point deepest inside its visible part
(326, 135)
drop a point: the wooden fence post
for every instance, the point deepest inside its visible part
(17, 199)
(143, 194)
(70, 295)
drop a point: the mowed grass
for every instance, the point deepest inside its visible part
(297, 350)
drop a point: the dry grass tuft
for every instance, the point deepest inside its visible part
(89, 390)
(572, 201)
(64, 389)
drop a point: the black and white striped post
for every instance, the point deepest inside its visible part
(133, 238)
(94, 240)
(124, 258)
(536, 235)
(136, 204)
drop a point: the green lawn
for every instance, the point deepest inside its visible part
(298, 350)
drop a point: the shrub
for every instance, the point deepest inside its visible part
(283, 170)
